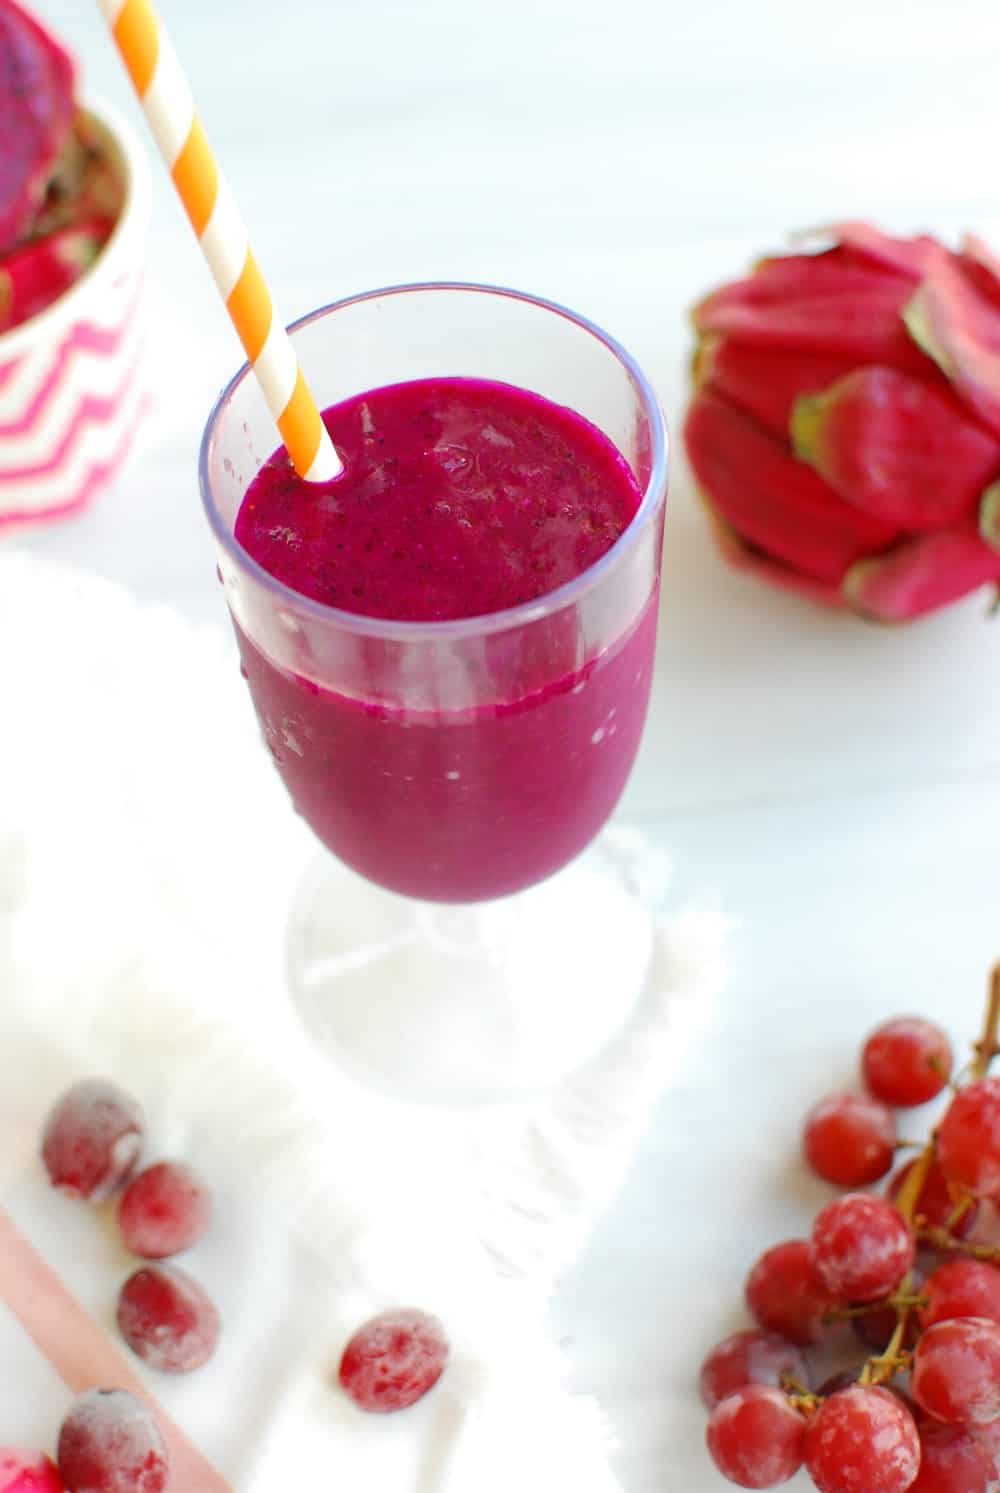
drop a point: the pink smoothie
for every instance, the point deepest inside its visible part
(459, 497)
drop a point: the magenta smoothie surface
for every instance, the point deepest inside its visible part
(458, 498)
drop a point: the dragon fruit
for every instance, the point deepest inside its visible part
(35, 274)
(37, 80)
(844, 430)
(59, 195)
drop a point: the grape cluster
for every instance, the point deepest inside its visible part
(921, 1414)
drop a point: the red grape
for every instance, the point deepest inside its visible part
(934, 1202)
(861, 1247)
(752, 1357)
(952, 1460)
(961, 1288)
(956, 1371)
(110, 1443)
(164, 1210)
(92, 1139)
(28, 1472)
(755, 1437)
(849, 1139)
(393, 1360)
(988, 1437)
(847, 1378)
(969, 1139)
(844, 1379)
(784, 1295)
(862, 1440)
(906, 1061)
(876, 1328)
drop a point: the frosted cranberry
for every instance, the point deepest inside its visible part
(164, 1210)
(935, 1203)
(167, 1319)
(784, 1295)
(755, 1437)
(862, 1440)
(93, 1139)
(956, 1371)
(751, 1357)
(849, 1139)
(393, 1360)
(28, 1472)
(861, 1247)
(110, 1443)
(906, 1061)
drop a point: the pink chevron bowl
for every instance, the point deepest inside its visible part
(72, 393)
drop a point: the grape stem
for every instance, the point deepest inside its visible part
(880, 1370)
(899, 1301)
(798, 1396)
(986, 1049)
(943, 1240)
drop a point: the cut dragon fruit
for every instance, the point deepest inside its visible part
(37, 79)
(34, 276)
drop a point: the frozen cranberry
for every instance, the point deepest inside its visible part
(92, 1139)
(110, 1443)
(393, 1360)
(28, 1472)
(167, 1319)
(164, 1210)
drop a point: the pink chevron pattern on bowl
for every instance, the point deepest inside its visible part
(71, 388)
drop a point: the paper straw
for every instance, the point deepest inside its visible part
(167, 102)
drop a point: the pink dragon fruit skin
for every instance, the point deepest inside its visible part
(856, 384)
(37, 80)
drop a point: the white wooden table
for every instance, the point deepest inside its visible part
(837, 787)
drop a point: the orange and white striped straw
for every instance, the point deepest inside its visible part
(166, 99)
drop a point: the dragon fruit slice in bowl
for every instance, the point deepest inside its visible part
(72, 393)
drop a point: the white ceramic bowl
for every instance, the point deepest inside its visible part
(71, 389)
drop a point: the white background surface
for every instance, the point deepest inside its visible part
(837, 786)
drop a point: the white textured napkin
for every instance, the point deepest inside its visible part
(142, 914)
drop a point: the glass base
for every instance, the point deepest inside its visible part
(468, 1004)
